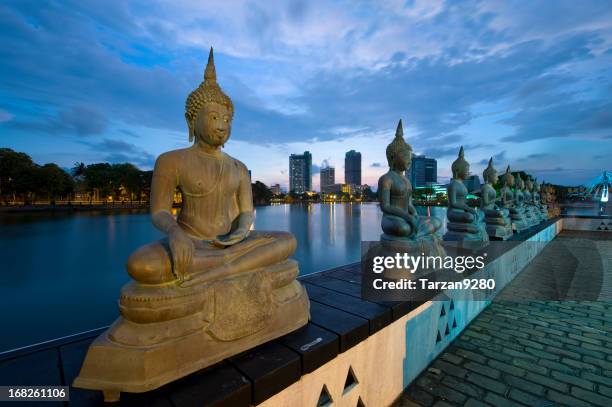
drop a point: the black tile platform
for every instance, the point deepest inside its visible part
(340, 319)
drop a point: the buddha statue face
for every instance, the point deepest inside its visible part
(402, 160)
(490, 173)
(213, 124)
(491, 177)
(208, 110)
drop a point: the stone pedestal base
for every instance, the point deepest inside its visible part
(532, 216)
(519, 221)
(499, 232)
(471, 236)
(113, 366)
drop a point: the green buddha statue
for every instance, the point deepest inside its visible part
(530, 209)
(517, 213)
(497, 219)
(550, 200)
(537, 198)
(213, 287)
(400, 220)
(507, 199)
(465, 223)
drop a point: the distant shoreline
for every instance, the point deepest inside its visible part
(74, 207)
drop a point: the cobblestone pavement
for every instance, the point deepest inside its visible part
(528, 352)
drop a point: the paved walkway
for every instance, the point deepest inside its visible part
(532, 352)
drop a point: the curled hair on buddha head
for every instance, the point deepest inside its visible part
(397, 146)
(209, 91)
(490, 172)
(460, 164)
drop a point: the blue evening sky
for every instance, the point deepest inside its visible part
(527, 82)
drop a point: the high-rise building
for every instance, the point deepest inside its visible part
(328, 178)
(423, 171)
(352, 168)
(472, 183)
(276, 189)
(300, 172)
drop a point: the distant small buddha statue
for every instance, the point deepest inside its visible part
(465, 223)
(497, 219)
(400, 220)
(530, 209)
(508, 200)
(551, 203)
(517, 214)
(214, 287)
(537, 199)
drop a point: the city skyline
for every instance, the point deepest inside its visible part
(528, 85)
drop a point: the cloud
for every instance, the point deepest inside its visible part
(5, 116)
(491, 75)
(535, 156)
(316, 169)
(440, 152)
(497, 158)
(78, 120)
(118, 151)
(376, 165)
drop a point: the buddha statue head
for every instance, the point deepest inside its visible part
(460, 167)
(519, 182)
(508, 178)
(399, 153)
(208, 110)
(490, 173)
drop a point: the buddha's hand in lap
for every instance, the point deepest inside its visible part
(231, 238)
(182, 249)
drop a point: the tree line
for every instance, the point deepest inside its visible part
(22, 180)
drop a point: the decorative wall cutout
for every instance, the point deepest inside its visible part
(325, 399)
(351, 381)
(360, 403)
(604, 226)
(444, 321)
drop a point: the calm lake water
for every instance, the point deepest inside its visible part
(60, 274)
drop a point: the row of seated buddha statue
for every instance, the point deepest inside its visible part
(517, 207)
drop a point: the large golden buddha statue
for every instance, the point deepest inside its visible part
(213, 287)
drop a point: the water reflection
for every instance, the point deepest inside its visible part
(61, 273)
